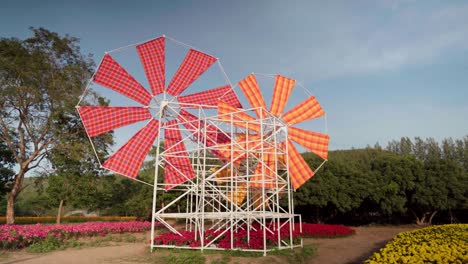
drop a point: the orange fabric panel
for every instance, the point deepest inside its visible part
(249, 87)
(269, 171)
(308, 109)
(238, 195)
(313, 141)
(281, 93)
(257, 200)
(238, 150)
(221, 175)
(239, 119)
(299, 170)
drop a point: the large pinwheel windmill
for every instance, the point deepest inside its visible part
(170, 107)
(299, 171)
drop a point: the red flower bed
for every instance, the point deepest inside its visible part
(19, 236)
(256, 236)
(322, 230)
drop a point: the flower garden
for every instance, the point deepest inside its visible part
(256, 236)
(436, 244)
(20, 236)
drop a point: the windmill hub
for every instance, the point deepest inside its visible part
(166, 105)
(274, 126)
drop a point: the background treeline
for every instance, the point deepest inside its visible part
(410, 181)
(417, 180)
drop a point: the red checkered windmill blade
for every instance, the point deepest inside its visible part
(170, 105)
(317, 143)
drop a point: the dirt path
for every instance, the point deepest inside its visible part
(356, 248)
(352, 249)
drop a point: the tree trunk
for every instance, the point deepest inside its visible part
(59, 214)
(10, 213)
(432, 216)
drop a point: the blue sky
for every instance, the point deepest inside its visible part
(381, 69)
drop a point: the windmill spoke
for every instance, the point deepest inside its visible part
(111, 75)
(129, 158)
(313, 141)
(251, 90)
(211, 97)
(152, 56)
(281, 93)
(194, 65)
(308, 109)
(101, 119)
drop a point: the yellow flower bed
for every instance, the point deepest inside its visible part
(67, 219)
(435, 244)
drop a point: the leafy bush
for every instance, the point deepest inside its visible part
(50, 243)
(436, 244)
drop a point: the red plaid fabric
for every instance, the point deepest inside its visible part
(313, 141)
(177, 156)
(111, 75)
(308, 109)
(249, 87)
(299, 170)
(194, 65)
(128, 159)
(281, 93)
(101, 119)
(214, 135)
(212, 97)
(152, 57)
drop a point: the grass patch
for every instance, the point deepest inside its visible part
(225, 259)
(184, 256)
(179, 256)
(53, 243)
(46, 245)
(300, 255)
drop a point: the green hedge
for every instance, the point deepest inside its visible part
(67, 219)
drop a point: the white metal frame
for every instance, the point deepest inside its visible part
(208, 202)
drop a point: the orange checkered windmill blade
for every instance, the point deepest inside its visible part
(170, 105)
(317, 143)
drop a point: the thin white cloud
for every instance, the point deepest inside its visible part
(405, 34)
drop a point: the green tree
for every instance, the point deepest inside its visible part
(41, 78)
(406, 146)
(419, 148)
(6, 168)
(32, 199)
(442, 186)
(76, 168)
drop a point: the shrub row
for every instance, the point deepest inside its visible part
(22, 220)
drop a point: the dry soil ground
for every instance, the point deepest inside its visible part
(353, 249)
